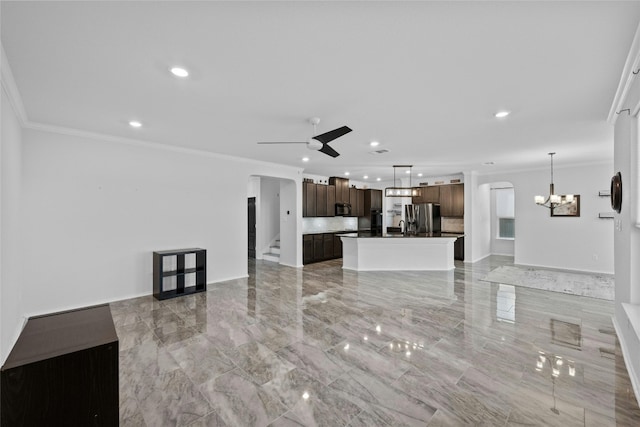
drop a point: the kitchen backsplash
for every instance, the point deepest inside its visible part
(328, 224)
(453, 225)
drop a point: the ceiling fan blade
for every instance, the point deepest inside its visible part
(332, 134)
(290, 142)
(329, 151)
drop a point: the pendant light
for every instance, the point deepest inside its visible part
(553, 200)
(401, 191)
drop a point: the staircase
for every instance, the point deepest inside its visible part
(274, 253)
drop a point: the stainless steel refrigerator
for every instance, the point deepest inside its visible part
(422, 218)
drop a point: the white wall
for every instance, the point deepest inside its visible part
(582, 243)
(626, 234)
(291, 222)
(95, 210)
(477, 219)
(11, 271)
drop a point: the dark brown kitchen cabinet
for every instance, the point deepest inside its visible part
(337, 246)
(356, 199)
(360, 207)
(372, 200)
(342, 189)
(353, 200)
(63, 371)
(307, 249)
(331, 200)
(328, 245)
(321, 200)
(318, 247)
(318, 200)
(428, 194)
(452, 200)
(431, 194)
(308, 199)
(458, 249)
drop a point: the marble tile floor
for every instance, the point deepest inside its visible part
(327, 347)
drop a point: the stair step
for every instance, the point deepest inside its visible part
(274, 249)
(271, 257)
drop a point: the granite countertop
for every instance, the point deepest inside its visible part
(332, 231)
(399, 235)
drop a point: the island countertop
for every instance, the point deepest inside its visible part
(423, 251)
(369, 235)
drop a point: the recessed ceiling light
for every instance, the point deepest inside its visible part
(135, 124)
(374, 143)
(502, 114)
(179, 72)
(409, 171)
(305, 159)
(378, 179)
(366, 177)
(420, 174)
(347, 173)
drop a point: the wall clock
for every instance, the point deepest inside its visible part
(616, 192)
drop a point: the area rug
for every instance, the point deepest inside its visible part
(587, 285)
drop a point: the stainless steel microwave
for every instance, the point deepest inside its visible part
(343, 209)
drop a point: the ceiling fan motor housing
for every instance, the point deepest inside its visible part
(314, 144)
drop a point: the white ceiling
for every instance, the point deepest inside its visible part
(423, 78)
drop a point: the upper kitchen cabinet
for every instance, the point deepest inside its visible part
(372, 200)
(452, 200)
(331, 200)
(356, 199)
(428, 194)
(353, 200)
(341, 189)
(318, 200)
(308, 199)
(360, 198)
(321, 200)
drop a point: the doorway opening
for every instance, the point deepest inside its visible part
(251, 226)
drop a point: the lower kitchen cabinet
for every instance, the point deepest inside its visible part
(307, 249)
(458, 249)
(328, 245)
(320, 247)
(337, 246)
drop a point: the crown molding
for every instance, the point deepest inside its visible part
(626, 79)
(61, 130)
(11, 89)
(606, 162)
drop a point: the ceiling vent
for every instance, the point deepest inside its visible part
(381, 151)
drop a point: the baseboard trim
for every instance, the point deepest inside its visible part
(635, 380)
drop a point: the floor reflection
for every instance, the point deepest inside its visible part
(323, 346)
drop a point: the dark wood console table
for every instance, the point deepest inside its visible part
(63, 371)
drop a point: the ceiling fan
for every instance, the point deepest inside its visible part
(320, 142)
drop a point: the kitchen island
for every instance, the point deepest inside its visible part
(425, 251)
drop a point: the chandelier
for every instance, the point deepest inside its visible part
(401, 191)
(553, 200)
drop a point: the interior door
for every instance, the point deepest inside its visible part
(251, 224)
